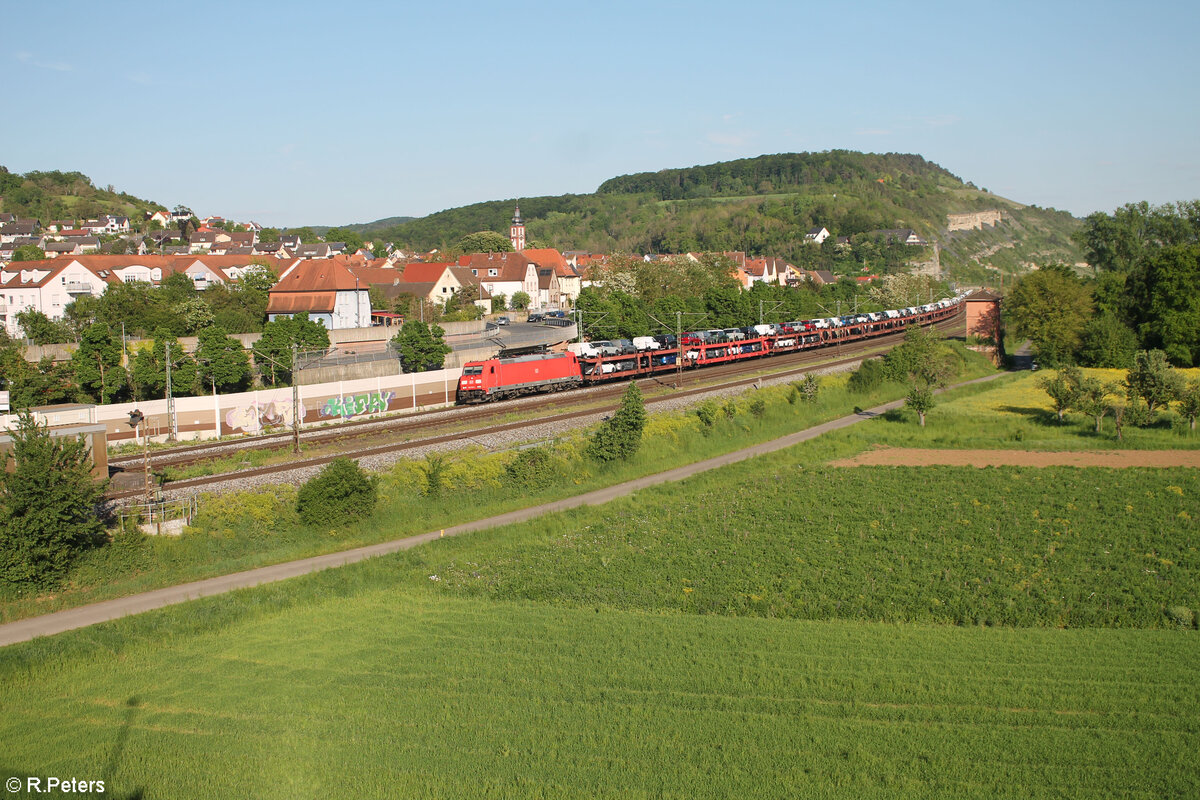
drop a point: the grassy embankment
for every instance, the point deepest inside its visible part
(718, 637)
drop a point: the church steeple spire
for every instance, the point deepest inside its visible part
(516, 234)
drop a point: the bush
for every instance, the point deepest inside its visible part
(342, 491)
(1182, 616)
(809, 388)
(706, 412)
(758, 407)
(532, 468)
(870, 375)
(434, 471)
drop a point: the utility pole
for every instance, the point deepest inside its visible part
(679, 343)
(171, 427)
(760, 313)
(295, 403)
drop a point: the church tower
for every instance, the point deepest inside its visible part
(516, 233)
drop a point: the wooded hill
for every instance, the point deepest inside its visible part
(55, 195)
(765, 206)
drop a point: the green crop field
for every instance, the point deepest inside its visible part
(1025, 547)
(394, 692)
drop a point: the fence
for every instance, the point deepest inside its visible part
(159, 517)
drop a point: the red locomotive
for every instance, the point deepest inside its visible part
(500, 379)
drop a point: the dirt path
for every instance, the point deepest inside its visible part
(917, 457)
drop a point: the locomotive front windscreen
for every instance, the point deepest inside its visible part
(473, 370)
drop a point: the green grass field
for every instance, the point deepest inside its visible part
(395, 692)
(778, 628)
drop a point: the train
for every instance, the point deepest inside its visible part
(586, 363)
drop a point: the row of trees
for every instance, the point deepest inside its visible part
(1144, 293)
(175, 305)
(101, 371)
(1150, 386)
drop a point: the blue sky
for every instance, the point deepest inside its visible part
(332, 113)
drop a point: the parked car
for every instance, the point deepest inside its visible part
(646, 343)
(667, 341)
(502, 320)
(535, 316)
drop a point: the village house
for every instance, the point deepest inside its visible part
(326, 289)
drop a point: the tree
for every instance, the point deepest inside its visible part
(1153, 379)
(499, 302)
(519, 301)
(268, 235)
(80, 313)
(352, 239)
(380, 250)
(28, 252)
(273, 350)
(257, 278)
(1108, 342)
(923, 363)
(379, 300)
(1189, 403)
(48, 507)
(185, 219)
(97, 363)
(40, 329)
(194, 314)
(1091, 398)
(221, 361)
(306, 234)
(1051, 308)
(421, 347)
(177, 287)
(1164, 295)
(620, 436)
(485, 242)
(1063, 388)
(150, 368)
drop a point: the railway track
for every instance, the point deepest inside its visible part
(700, 381)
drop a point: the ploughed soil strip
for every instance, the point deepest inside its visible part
(920, 457)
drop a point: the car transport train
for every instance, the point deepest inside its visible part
(586, 363)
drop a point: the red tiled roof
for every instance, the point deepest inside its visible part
(425, 273)
(319, 275)
(549, 258)
(295, 302)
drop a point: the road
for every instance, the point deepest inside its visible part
(70, 619)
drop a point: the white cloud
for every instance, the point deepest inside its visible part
(729, 140)
(26, 57)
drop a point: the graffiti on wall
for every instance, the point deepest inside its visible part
(357, 404)
(257, 416)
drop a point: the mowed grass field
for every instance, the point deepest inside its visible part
(398, 692)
